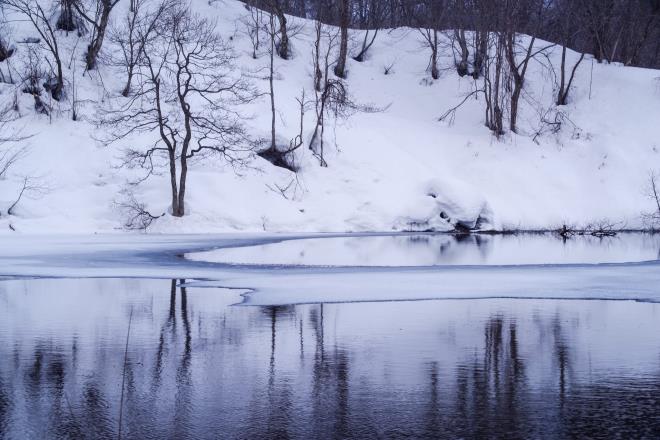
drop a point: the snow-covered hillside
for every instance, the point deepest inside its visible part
(396, 169)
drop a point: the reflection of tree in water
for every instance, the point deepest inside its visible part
(49, 408)
(5, 405)
(490, 393)
(278, 393)
(327, 389)
(177, 347)
(330, 383)
(183, 395)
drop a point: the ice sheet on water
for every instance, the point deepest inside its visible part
(161, 257)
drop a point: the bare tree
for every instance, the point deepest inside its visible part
(567, 31)
(504, 57)
(494, 87)
(6, 49)
(9, 154)
(461, 62)
(652, 218)
(12, 150)
(186, 98)
(344, 22)
(325, 88)
(67, 19)
(566, 78)
(99, 23)
(519, 15)
(40, 20)
(480, 47)
(277, 7)
(316, 54)
(372, 17)
(332, 100)
(428, 18)
(135, 213)
(32, 75)
(137, 30)
(271, 153)
(253, 25)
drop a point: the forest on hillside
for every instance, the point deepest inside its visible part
(181, 92)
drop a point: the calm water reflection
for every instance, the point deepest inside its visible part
(196, 367)
(443, 249)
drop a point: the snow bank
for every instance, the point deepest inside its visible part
(399, 169)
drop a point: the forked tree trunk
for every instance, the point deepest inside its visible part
(94, 47)
(462, 63)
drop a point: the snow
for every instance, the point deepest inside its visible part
(399, 169)
(160, 256)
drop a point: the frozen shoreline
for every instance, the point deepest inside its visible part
(148, 256)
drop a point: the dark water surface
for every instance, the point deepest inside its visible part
(199, 368)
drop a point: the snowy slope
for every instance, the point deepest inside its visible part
(399, 169)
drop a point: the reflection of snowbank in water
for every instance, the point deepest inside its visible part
(428, 250)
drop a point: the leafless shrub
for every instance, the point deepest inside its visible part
(652, 217)
(284, 157)
(387, 68)
(32, 74)
(289, 191)
(551, 121)
(30, 186)
(603, 228)
(134, 212)
(254, 24)
(41, 21)
(12, 150)
(6, 49)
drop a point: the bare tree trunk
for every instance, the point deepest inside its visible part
(318, 74)
(181, 207)
(284, 38)
(564, 87)
(277, 9)
(66, 20)
(270, 83)
(129, 79)
(462, 64)
(94, 47)
(497, 123)
(435, 73)
(480, 48)
(173, 185)
(58, 88)
(344, 21)
(518, 71)
(366, 46)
